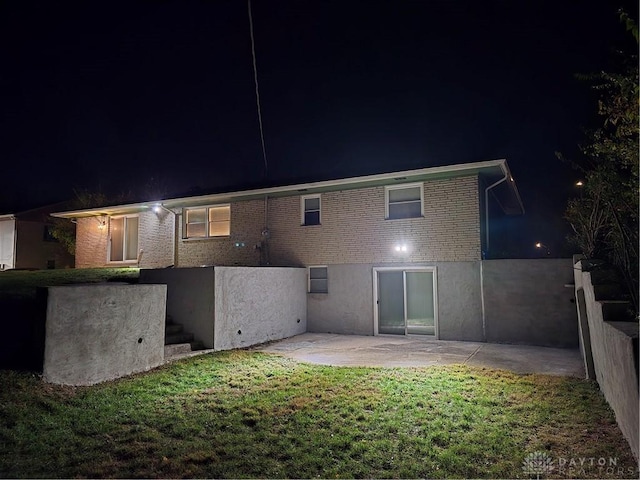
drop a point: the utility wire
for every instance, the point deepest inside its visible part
(255, 78)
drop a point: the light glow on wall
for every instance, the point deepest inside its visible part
(401, 248)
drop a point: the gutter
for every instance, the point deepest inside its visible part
(330, 185)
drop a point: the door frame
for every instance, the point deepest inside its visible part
(431, 269)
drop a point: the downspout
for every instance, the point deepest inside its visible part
(486, 228)
(484, 320)
(175, 231)
(486, 206)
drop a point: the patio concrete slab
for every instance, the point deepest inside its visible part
(413, 351)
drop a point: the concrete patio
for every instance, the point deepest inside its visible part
(416, 351)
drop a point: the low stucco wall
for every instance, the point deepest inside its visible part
(100, 332)
(189, 298)
(615, 364)
(348, 307)
(530, 302)
(258, 304)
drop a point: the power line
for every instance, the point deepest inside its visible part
(255, 78)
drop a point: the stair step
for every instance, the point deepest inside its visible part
(182, 348)
(182, 337)
(173, 328)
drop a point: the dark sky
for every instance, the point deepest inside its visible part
(108, 95)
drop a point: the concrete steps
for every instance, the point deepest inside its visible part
(178, 343)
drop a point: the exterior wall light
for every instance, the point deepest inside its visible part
(400, 248)
(102, 222)
(157, 208)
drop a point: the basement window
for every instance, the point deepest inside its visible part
(318, 280)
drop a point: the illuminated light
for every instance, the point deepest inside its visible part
(579, 183)
(157, 208)
(538, 245)
(401, 247)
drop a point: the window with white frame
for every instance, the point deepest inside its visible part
(310, 210)
(207, 222)
(318, 280)
(123, 239)
(404, 201)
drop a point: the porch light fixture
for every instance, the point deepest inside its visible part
(102, 222)
(579, 183)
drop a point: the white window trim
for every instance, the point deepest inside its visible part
(402, 187)
(124, 236)
(302, 209)
(207, 236)
(309, 279)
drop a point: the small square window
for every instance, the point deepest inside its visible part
(318, 280)
(404, 201)
(310, 210)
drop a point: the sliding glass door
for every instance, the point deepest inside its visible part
(406, 302)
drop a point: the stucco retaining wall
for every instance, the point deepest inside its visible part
(615, 364)
(189, 298)
(530, 302)
(100, 332)
(258, 304)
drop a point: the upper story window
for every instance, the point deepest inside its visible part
(404, 201)
(310, 210)
(206, 222)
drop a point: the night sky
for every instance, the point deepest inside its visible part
(131, 96)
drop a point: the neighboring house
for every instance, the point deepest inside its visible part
(26, 241)
(388, 253)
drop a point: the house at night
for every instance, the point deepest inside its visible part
(398, 252)
(26, 241)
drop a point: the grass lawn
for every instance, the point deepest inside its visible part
(248, 414)
(23, 283)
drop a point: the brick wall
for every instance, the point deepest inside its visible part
(91, 243)
(354, 229)
(247, 222)
(155, 239)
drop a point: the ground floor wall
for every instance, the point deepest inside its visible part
(348, 307)
(502, 301)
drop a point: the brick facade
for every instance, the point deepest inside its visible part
(247, 223)
(353, 230)
(155, 239)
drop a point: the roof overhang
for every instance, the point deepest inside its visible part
(492, 170)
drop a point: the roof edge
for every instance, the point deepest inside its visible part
(352, 182)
